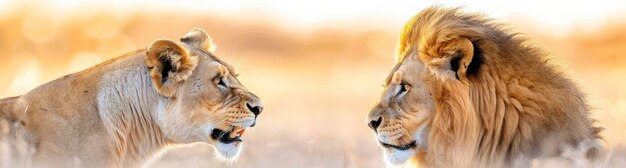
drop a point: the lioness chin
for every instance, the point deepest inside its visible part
(122, 112)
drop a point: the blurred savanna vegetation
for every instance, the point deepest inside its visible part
(317, 79)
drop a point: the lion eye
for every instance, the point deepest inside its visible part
(403, 88)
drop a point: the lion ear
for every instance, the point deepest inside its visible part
(199, 38)
(169, 64)
(450, 57)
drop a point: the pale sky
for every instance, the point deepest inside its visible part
(552, 14)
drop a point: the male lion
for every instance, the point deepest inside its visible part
(467, 93)
(124, 111)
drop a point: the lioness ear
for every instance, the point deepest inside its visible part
(199, 38)
(169, 64)
(449, 57)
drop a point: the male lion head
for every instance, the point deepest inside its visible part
(205, 102)
(467, 93)
(433, 74)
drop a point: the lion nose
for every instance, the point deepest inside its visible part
(375, 123)
(255, 109)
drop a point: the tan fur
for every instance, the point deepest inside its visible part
(123, 112)
(194, 37)
(505, 104)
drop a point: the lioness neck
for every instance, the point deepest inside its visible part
(127, 104)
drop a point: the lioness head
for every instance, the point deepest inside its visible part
(205, 102)
(432, 75)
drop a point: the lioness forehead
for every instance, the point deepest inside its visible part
(210, 57)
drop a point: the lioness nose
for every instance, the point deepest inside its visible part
(255, 109)
(375, 123)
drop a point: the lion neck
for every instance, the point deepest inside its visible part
(127, 103)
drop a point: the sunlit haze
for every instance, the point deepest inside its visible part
(553, 15)
(318, 66)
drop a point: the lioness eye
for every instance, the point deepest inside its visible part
(219, 81)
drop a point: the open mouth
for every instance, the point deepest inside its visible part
(400, 147)
(227, 137)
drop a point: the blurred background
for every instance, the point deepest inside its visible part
(317, 65)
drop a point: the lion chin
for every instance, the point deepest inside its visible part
(401, 155)
(398, 157)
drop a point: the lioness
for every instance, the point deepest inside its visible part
(467, 93)
(122, 112)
